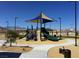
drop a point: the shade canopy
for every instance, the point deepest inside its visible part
(41, 18)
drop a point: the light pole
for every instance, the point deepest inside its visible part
(60, 26)
(75, 23)
(15, 22)
(7, 29)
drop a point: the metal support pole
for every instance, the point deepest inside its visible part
(52, 32)
(60, 27)
(32, 27)
(37, 24)
(75, 23)
(15, 22)
(7, 30)
(40, 28)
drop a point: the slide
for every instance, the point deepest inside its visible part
(49, 37)
(22, 36)
(29, 36)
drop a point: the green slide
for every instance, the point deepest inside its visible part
(49, 37)
(22, 36)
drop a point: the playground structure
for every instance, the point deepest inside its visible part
(41, 34)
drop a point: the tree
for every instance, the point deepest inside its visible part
(12, 35)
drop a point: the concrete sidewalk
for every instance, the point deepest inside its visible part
(2, 42)
(40, 51)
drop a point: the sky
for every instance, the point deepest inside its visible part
(26, 10)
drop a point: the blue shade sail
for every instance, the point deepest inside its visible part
(41, 18)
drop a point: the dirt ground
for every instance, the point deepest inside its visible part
(18, 49)
(40, 42)
(54, 52)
